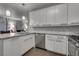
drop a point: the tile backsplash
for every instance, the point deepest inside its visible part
(74, 29)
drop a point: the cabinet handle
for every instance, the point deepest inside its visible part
(51, 39)
(61, 37)
(28, 39)
(59, 41)
(14, 38)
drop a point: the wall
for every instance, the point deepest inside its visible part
(14, 13)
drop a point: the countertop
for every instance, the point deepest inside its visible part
(57, 33)
(10, 35)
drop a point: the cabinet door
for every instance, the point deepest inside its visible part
(50, 42)
(61, 45)
(35, 17)
(43, 16)
(51, 15)
(73, 13)
(12, 47)
(61, 14)
(38, 17)
(28, 43)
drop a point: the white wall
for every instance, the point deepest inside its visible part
(14, 13)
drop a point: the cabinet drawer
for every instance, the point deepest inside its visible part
(62, 38)
(27, 37)
(30, 38)
(56, 37)
(51, 36)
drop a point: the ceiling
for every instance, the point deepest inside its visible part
(27, 6)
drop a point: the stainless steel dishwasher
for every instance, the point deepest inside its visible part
(40, 40)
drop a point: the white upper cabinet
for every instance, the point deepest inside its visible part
(43, 16)
(38, 17)
(57, 14)
(35, 17)
(61, 14)
(73, 13)
(51, 15)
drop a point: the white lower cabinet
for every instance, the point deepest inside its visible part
(50, 41)
(57, 43)
(27, 43)
(17, 46)
(12, 47)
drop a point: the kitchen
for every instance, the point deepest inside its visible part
(39, 29)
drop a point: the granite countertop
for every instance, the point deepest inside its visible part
(58, 33)
(10, 35)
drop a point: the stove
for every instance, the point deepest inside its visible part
(73, 45)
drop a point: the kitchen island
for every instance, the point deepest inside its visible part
(16, 44)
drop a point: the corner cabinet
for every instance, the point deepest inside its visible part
(57, 43)
(73, 13)
(16, 46)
